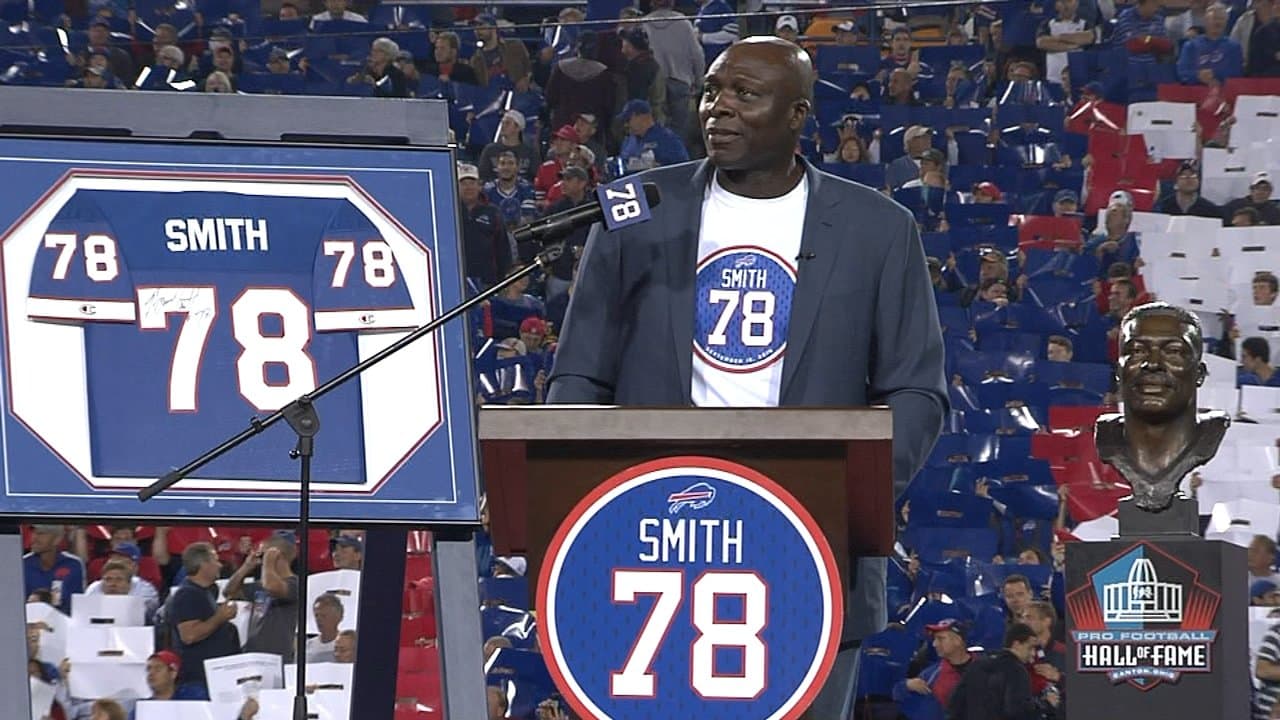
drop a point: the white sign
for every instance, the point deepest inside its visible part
(345, 584)
(235, 678)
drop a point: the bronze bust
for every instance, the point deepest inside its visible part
(1161, 436)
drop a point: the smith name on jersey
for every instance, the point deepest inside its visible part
(201, 309)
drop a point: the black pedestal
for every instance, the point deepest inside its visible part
(1157, 626)
(1181, 519)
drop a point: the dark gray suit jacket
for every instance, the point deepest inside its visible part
(863, 329)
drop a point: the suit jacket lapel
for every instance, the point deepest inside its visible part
(683, 223)
(819, 246)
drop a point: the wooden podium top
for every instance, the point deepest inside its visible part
(605, 422)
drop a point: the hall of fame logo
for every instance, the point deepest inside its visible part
(1143, 618)
(742, 307)
(689, 587)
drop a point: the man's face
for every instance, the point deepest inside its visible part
(344, 649)
(1065, 207)
(1262, 293)
(995, 291)
(1058, 353)
(1188, 181)
(288, 12)
(164, 37)
(946, 643)
(563, 147)
(1067, 8)
(900, 45)
(347, 557)
(846, 37)
(1038, 622)
(98, 35)
(278, 65)
(533, 339)
(751, 109)
(160, 677)
(1147, 8)
(628, 50)
(638, 123)
(115, 582)
(1016, 597)
(507, 166)
(1119, 300)
(900, 83)
(327, 616)
(1159, 370)
(1260, 192)
(787, 34)
(1258, 556)
(1024, 651)
(485, 33)
(1118, 217)
(575, 188)
(223, 60)
(1019, 72)
(991, 268)
(33, 640)
(444, 51)
(335, 7)
(43, 542)
(469, 190)
(918, 144)
(584, 128)
(508, 126)
(1215, 22)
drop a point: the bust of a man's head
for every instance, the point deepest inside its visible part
(1160, 362)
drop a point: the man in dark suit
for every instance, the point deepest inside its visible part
(836, 311)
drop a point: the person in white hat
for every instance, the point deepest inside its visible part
(915, 141)
(510, 137)
(787, 28)
(1259, 198)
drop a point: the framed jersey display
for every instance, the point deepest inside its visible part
(156, 296)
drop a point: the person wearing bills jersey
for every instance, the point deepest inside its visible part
(762, 281)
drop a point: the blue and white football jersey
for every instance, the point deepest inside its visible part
(201, 309)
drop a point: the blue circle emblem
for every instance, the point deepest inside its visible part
(742, 307)
(689, 587)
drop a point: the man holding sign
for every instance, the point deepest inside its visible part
(761, 281)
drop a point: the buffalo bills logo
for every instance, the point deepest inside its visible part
(694, 497)
(744, 261)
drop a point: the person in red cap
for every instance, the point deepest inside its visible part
(987, 192)
(563, 141)
(162, 677)
(941, 678)
(533, 333)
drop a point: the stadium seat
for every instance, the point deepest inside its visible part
(417, 566)
(1050, 233)
(418, 542)
(419, 597)
(417, 629)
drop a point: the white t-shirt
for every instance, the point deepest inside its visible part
(319, 651)
(746, 278)
(1056, 62)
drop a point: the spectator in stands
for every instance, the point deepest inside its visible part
(404, 63)
(1114, 242)
(961, 90)
(901, 89)
(1059, 349)
(852, 151)
(1051, 656)
(677, 50)
(1066, 203)
(201, 627)
(496, 701)
(328, 612)
(163, 668)
(335, 10)
(278, 62)
(580, 84)
(998, 687)
(105, 709)
(165, 35)
(902, 57)
(1261, 559)
(1141, 29)
(915, 140)
(582, 158)
(118, 61)
(648, 144)
(348, 552)
(931, 161)
(587, 126)
(445, 63)
(1185, 198)
(1188, 23)
(1267, 671)
(1247, 22)
(717, 28)
(497, 56)
(1063, 34)
(510, 137)
(48, 567)
(512, 306)
(1121, 299)
(1245, 217)
(1265, 288)
(171, 57)
(1259, 198)
(1211, 58)
(344, 648)
(485, 244)
(273, 620)
(118, 578)
(1264, 593)
(381, 72)
(1017, 594)
(645, 78)
(987, 192)
(508, 190)
(573, 192)
(941, 678)
(1263, 53)
(217, 82)
(787, 28)
(563, 142)
(992, 265)
(533, 333)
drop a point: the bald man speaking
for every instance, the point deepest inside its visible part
(835, 308)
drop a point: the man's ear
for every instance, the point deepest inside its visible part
(800, 112)
(1202, 372)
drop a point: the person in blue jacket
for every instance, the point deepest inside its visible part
(1211, 58)
(717, 27)
(648, 144)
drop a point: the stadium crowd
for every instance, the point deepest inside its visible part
(1021, 136)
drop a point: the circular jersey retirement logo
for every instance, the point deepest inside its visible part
(742, 306)
(689, 587)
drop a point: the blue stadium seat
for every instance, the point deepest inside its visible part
(949, 450)
(976, 214)
(871, 175)
(972, 149)
(848, 58)
(931, 481)
(1010, 471)
(977, 368)
(945, 578)
(991, 340)
(987, 578)
(272, 84)
(941, 56)
(510, 591)
(1028, 501)
(1048, 290)
(883, 661)
(986, 628)
(939, 544)
(950, 510)
(527, 672)
(1095, 377)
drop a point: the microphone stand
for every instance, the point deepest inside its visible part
(301, 416)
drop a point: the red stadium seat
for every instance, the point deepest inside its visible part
(417, 628)
(1043, 232)
(418, 542)
(419, 596)
(1235, 87)
(425, 685)
(180, 536)
(1063, 447)
(1177, 92)
(417, 566)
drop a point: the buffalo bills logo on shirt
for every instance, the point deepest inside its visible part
(742, 308)
(694, 497)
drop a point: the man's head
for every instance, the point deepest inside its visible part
(1060, 349)
(1265, 288)
(162, 672)
(635, 42)
(121, 535)
(1021, 640)
(485, 27)
(1264, 593)
(1245, 217)
(916, 139)
(165, 36)
(512, 123)
(846, 33)
(757, 97)
(348, 552)
(170, 56)
(637, 115)
(1066, 202)
(900, 43)
(1188, 180)
(45, 538)
(507, 165)
(787, 28)
(288, 11)
(1215, 20)
(1121, 297)
(336, 7)
(533, 331)
(1117, 219)
(1261, 555)
(994, 290)
(1067, 9)
(564, 140)
(383, 51)
(932, 160)
(1016, 593)
(987, 192)
(99, 33)
(1039, 616)
(328, 611)
(200, 561)
(992, 264)
(585, 125)
(468, 183)
(278, 61)
(901, 85)
(344, 647)
(1260, 188)
(1159, 364)
(446, 49)
(1255, 354)
(1147, 8)
(117, 577)
(947, 637)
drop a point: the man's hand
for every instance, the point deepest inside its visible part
(1048, 672)
(1205, 76)
(250, 709)
(983, 488)
(918, 686)
(271, 556)
(64, 668)
(227, 611)
(1052, 697)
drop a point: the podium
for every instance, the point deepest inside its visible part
(538, 462)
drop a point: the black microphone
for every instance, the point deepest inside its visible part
(563, 223)
(806, 256)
